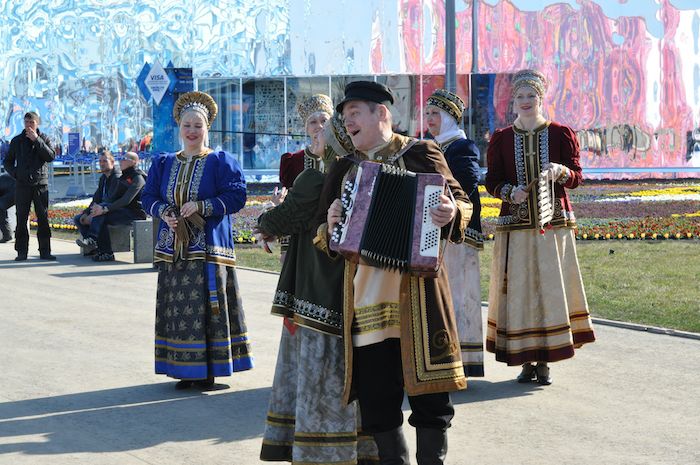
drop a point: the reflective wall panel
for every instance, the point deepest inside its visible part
(624, 73)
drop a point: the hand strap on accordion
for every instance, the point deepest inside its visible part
(452, 225)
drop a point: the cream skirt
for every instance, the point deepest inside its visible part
(537, 304)
(462, 262)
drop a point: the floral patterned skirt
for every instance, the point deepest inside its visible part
(307, 421)
(200, 324)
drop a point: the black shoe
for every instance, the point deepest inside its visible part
(87, 243)
(209, 385)
(528, 374)
(47, 256)
(5, 239)
(103, 257)
(543, 377)
(204, 383)
(21, 257)
(183, 384)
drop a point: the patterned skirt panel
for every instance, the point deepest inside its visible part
(200, 325)
(462, 262)
(307, 422)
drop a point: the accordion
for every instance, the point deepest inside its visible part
(386, 219)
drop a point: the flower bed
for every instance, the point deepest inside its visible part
(604, 211)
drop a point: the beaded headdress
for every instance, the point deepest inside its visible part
(337, 137)
(530, 78)
(446, 100)
(200, 102)
(314, 104)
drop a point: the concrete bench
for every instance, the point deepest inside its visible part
(140, 232)
(120, 236)
(144, 237)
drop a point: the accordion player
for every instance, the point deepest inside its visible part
(386, 219)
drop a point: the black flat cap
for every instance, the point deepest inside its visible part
(366, 90)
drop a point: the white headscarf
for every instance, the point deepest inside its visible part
(448, 128)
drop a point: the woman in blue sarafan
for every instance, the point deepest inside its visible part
(200, 325)
(443, 114)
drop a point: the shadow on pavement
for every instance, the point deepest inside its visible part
(104, 272)
(480, 390)
(31, 262)
(131, 418)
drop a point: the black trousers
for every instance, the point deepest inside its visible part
(7, 200)
(378, 379)
(4, 225)
(25, 195)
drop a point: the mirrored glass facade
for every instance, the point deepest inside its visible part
(626, 78)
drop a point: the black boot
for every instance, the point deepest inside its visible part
(431, 446)
(5, 232)
(392, 447)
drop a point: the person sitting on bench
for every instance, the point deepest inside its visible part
(106, 186)
(123, 207)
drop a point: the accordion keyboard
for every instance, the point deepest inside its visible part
(430, 233)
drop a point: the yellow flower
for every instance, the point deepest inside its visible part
(585, 236)
(665, 235)
(654, 236)
(607, 236)
(643, 235)
(678, 235)
(619, 236)
(596, 236)
(490, 236)
(631, 236)
(490, 212)
(677, 190)
(491, 201)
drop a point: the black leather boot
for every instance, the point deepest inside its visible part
(431, 446)
(5, 232)
(392, 447)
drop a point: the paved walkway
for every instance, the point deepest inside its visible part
(78, 387)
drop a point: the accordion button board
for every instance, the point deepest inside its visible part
(430, 233)
(386, 219)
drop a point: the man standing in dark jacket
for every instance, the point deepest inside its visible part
(27, 161)
(122, 207)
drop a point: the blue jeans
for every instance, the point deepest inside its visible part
(98, 230)
(82, 228)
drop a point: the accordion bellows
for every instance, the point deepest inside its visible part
(386, 219)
